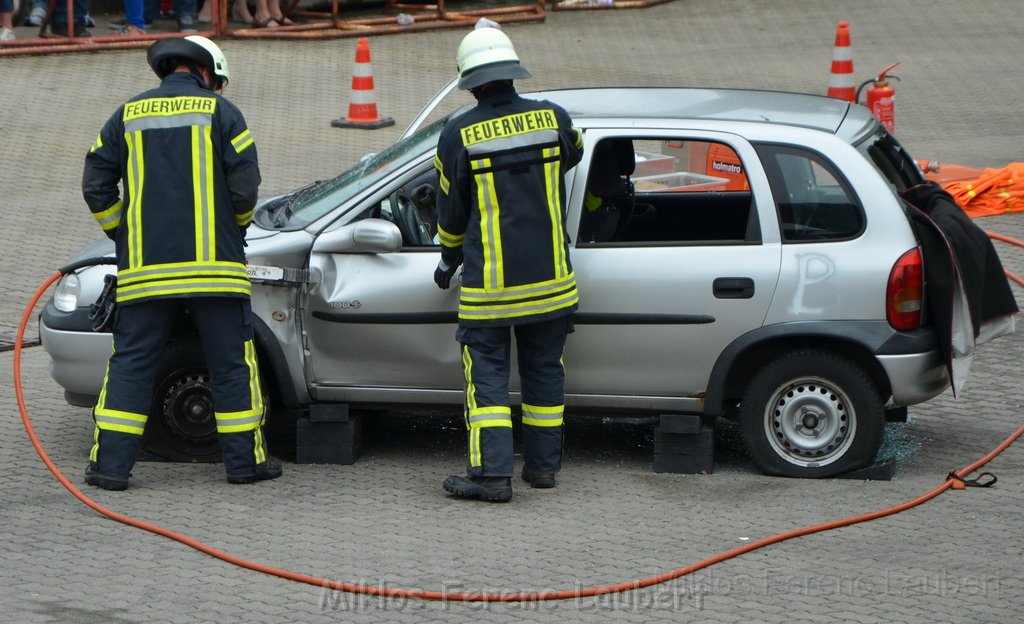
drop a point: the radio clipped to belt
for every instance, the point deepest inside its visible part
(101, 313)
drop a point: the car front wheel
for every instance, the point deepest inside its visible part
(812, 414)
(181, 425)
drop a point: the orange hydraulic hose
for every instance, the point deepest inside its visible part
(455, 596)
(1013, 241)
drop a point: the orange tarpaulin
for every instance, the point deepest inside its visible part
(983, 192)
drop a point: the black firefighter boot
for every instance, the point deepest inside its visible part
(492, 489)
(239, 453)
(115, 456)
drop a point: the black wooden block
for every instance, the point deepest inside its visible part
(327, 442)
(680, 423)
(684, 453)
(329, 412)
(878, 471)
(896, 414)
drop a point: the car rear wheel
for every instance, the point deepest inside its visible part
(181, 425)
(812, 414)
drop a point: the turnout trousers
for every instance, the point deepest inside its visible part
(486, 363)
(141, 331)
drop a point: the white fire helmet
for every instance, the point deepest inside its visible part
(485, 55)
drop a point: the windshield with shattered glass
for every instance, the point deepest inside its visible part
(299, 208)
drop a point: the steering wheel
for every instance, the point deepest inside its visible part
(407, 218)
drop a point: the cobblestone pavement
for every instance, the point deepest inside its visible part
(385, 520)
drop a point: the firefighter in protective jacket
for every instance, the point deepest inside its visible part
(190, 176)
(501, 214)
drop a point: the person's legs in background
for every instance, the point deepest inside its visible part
(59, 22)
(6, 17)
(185, 11)
(134, 19)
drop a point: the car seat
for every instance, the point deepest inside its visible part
(610, 194)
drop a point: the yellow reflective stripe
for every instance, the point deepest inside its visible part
(250, 419)
(202, 193)
(515, 310)
(448, 239)
(98, 144)
(490, 416)
(242, 141)
(110, 218)
(441, 177)
(136, 178)
(490, 410)
(552, 171)
(122, 428)
(467, 368)
(215, 278)
(541, 422)
(490, 226)
(522, 290)
(475, 456)
(102, 399)
(210, 281)
(116, 420)
(543, 415)
(184, 287)
(481, 424)
(255, 394)
(244, 219)
(181, 269)
(100, 402)
(579, 137)
(259, 446)
(233, 422)
(475, 452)
(94, 452)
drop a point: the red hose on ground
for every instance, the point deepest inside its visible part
(1013, 241)
(455, 596)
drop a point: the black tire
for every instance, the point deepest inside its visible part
(812, 414)
(181, 425)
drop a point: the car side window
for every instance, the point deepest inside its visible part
(661, 191)
(813, 201)
(413, 208)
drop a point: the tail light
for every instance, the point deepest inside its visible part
(905, 291)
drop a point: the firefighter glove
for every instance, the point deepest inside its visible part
(444, 272)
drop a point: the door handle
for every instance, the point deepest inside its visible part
(733, 288)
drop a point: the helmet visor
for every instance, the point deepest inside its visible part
(510, 70)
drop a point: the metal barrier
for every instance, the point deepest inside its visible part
(590, 5)
(46, 43)
(330, 25)
(321, 25)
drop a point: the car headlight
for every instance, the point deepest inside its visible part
(68, 290)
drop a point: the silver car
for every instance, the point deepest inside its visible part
(737, 252)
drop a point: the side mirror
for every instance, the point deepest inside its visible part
(366, 236)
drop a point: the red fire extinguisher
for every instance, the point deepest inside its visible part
(881, 98)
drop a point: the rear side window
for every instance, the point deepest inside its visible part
(644, 191)
(813, 200)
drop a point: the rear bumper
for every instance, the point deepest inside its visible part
(915, 377)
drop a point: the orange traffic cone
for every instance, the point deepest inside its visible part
(840, 83)
(362, 109)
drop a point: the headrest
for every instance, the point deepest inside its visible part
(624, 154)
(613, 158)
